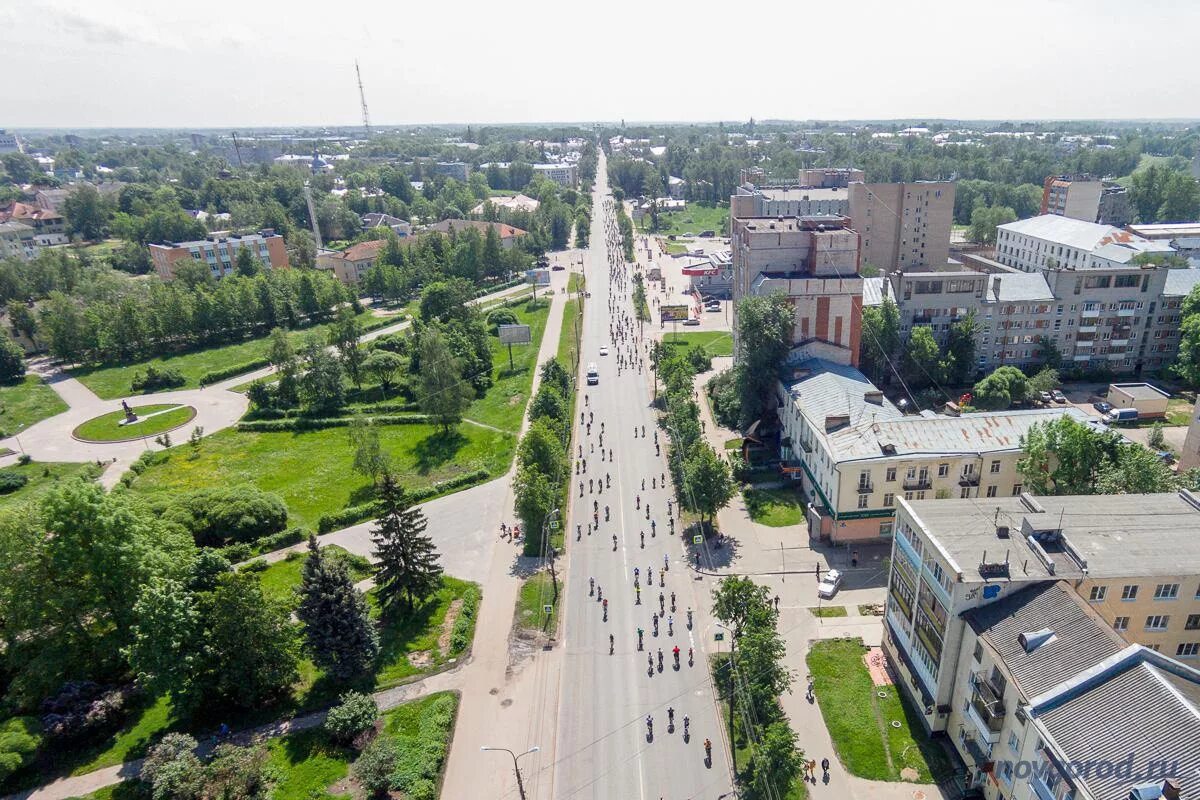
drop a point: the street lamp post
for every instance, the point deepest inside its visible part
(516, 767)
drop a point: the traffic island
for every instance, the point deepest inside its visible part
(138, 422)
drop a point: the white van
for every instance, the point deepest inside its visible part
(593, 374)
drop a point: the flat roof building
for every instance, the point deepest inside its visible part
(903, 225)
(219, 253)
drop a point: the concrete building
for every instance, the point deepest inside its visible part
(374, 219)
(1084, 198)
(1131, 560)
(1050, 242)
(1150, 401)
(16, 241)
(509, 236)
(714, 277)
(1184, 238)
(772, 201)
(9, 143)
(459, 170)
(563, 174)
(350, 264)
(814, 261)
(857, 455)
(49, 227)
(831, 177)
(903, 225)
(219, 252)
(676, 187)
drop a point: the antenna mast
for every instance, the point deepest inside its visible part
(362, 97)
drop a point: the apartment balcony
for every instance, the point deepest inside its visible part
(968, 480)
(1087, 328)
(1085, 342)
(1126, 312)
(1118, 342)
(986, 723)
(918, 483)
(865, 488)
(1091, 313)
(1082, 357)
(980, 753)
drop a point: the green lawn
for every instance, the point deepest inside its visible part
(153, 420)
(775, 507)
(1179, 411)
(860, 721)
(568, 345)
(113, 381)
(311, 470)
(674, 248)
(26, 402)
(536, 592)
(280, 579)
(575, 282)
(307, 764)
(504, 404)
(715, 343)
(43, 476)
(829, 611)
(693, 219)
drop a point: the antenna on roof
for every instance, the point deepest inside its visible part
(362, 97)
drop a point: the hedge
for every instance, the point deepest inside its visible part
(244, 551)
(319, 423)
(354, 514)
(257, 414)
(213, 376)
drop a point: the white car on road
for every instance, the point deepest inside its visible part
(603, 351)
(829, 585)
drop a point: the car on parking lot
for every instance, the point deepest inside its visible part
(603, 351)
(691, 321)
(830, 584)
(712, 307)
(1046, 397)
(1102, 406)
(557, 268)
(1059, 397)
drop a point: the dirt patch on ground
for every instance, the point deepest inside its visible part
(448, 625)
(421, 659)
(876, 663)
(516, 399)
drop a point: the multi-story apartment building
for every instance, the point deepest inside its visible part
(49, 227)
(16, 241)
(1100, 319)
(1048, 703)
(858, 456)
(1050, 242)
(562, 174)
(1084, 198)
(830, 177)
(903, 225)
(788, 201)
(814, 261)
(459, 170)
(1131, 559)
(219, 252)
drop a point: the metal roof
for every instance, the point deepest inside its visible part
(872, 291)
(1022, 287)
(1080, 640)
(1180, 282)
(1067, 231)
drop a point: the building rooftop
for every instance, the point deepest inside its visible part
(873, 291)
(792, 193)
(1079, 640)
(12, 226)
(1136, 705)
(1021, 287)
(363, 250)
(448, 225)
(1103, 241)
(518, 202)
(1180, 282)
(224, 238)
(1142, 391)
(1166, 230)
(1110, 536)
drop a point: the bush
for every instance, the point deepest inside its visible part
(83, 707)
(353, 514)
(319, 423)
(11, 481)
(12, 360)
(726, 400)
(216, 375)
(355, 713)
(699, 360)
(156, 378)
(24, 459)
(501, 316)
(420, 758)
(460, 637)
(373, 769)
(1156, 440)
(219, 516)
(20, 738)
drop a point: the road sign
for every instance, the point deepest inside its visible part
(515, 334)
(547, 609)
(698, 539)
(718, 636)
(553, 524)
(673, 313)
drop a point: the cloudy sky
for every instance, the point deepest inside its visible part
(217, 63)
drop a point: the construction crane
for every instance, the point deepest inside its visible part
(237, 149)
(362, 97)
(312, 215)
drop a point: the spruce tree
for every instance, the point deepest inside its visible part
(408, 568)
(337, 628)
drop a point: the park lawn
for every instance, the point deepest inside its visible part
(43, 476)
(504, 404)
(1179, 411)
(568, 344)
(674, 248)
(693, 219)
(111, 382)
(714, 343)
(774, 507)
(108, 427)
(860, 722)
(280, 579)
(575, 282)
(419, 633)
(311, 470)
(307, 764)
(25, 402)
(536, 592)
(829, 611)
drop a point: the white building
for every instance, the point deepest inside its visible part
(562, 174)
(1052, 242)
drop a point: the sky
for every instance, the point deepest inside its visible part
(221, 64)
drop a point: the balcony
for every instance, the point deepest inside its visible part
(986, 718)
(1126, 312)
(1082, 357)
(1118, 342)
(968, 480)
(1087, 328)
(865, 488)
(1085, 342)
(919, 482)
(1090, 312)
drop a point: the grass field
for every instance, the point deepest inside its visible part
(113, 382)
(674, 248)
(715, 343)
(504, 404)
(26, 402)
(280, 579)
(536, 592)
(860, 721)
(774, 507)
(154, 419)
(311, 470)
(829, 611)
(43, 476)
(693, 219)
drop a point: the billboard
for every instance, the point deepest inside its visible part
(538, 277)
(515, 334)
(673, 313)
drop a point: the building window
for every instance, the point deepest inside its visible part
(1016, 489)
(1188, 649)
(885, 529)
(1098, 593)
(911, 474)
(920, 495)
(1013, 743)
(991, 491)
(891, 474)
(978, 651)
(889, 500)
(1166, 591)
(1192, 623)
(1129, 591)
(995, 468)
(964, 492)
(1006, 772)
(1121, 624)
(943, 470)
(864, 479)
(1157, 622)
(908, 496)
(863, 499)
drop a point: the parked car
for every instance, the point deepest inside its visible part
(1059, 397)
(557, 268)
(1102, 406)
(1046, 397)
(691, 321)
(712, 307)
(707, 234)
(829, 585)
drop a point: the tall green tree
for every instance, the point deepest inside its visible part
(441, 391)
(322, 384)
(921, 365)
(535, 497)
(741, 603)
(344, 335)
(246, 264)
(985, 220)
(707, 482)
(86, 213)
(408, 568)
(337, 625)
(12, 360)
(776, 763)
(958, 362)
(1000, 389)
(764, 326)
(880, 339)
(1063, 456)
(370, 459)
